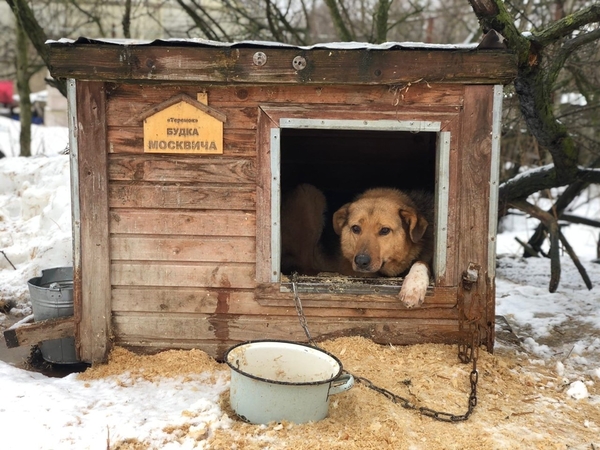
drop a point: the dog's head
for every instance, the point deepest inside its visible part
(381, 231)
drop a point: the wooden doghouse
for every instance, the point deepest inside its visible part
(181, 150)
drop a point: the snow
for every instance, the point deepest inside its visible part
(35, 209)
(526, 173)
(44, 140)
(578, 390)
(68, 413)
(352, 45)
(573, 98)
(559, 330)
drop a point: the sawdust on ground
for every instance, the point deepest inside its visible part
(167, 364)
(521, 404)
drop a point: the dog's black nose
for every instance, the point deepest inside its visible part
(362, 261)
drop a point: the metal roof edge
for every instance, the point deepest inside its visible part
(197, 42)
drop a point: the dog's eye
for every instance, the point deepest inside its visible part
(355, 229)
(385, 231)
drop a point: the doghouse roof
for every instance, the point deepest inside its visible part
(259, 62)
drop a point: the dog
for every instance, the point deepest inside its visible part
(382, 232)
(389, 232)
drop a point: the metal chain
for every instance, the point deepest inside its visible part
(467, 352)
(300, 311)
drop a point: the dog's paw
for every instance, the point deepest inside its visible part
(415, 285)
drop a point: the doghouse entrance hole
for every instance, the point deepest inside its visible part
(344, 162)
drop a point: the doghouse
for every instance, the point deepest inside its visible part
(181, 150)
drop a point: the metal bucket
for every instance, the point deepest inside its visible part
(52, 298)
(278, 380)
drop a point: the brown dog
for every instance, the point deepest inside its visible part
(382, 232)
(388, 232)
(302, 221)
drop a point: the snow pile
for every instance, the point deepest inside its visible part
(67, 413)
(44, 140)
(35, 221)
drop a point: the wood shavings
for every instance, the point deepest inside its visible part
(513, 411)
(171, 363)
(430, 375)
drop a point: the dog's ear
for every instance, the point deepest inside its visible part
(416, 223)
(340, 217)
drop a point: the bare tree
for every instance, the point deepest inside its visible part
(542, 56)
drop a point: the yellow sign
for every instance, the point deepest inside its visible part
(183, 125)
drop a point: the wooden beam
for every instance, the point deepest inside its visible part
(40, 331)
(323, 66)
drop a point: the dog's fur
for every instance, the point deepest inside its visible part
(383, 231)
(302, 223)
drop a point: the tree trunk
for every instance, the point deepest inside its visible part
(342, 30)
(24, 91)
(37, 36)
(126, 22)
(380, 20)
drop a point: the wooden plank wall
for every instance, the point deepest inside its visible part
(183, 228)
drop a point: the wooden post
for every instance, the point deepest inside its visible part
(92, 288)
(474, 168)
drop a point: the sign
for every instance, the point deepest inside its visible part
(183, 125)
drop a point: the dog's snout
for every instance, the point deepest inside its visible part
(362, 260)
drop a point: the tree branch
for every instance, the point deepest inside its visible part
(575, 259)
(254, 25)
(564, 200)
(540, 178)
(567, 50)
(561, 204)
(580, 220)
(273, 23)
(92, 18)
(198, 20)
(36, 35)
(281, 19)
(23, 78)
(533, 88)
(338, 22)
(551, 224)
(493, 15)
(567, 25)
(537, 109)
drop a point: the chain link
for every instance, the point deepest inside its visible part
(467, 352)
(300, 311)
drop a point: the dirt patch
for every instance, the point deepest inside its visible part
(567, 334)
